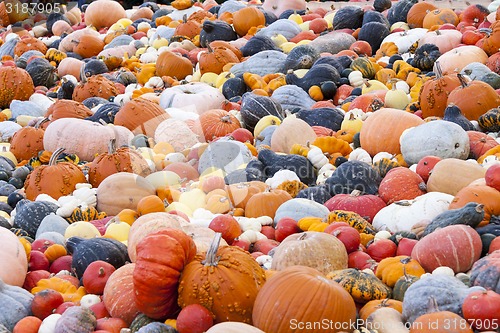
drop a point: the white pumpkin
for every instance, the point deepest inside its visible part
(403, 215)
(298, 208)
(404, 40)
(177, 133)
(439, 138)
(196, 97)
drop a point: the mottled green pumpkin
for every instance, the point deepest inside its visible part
(402, 284)
(490, 121)
(85, 214)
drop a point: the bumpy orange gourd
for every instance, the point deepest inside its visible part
(15, 83)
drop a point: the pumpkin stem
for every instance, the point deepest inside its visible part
(226, 119)
(211, 258)
(433, 305)
(55, 155)
(83, 77)
(112, 146)
(463, 82)
(184, 18)
(101, 271)
(40, 122)
(355, 193)
(439, 72)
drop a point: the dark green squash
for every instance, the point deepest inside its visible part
(22, 61)
(363, 287)
(139, 321)
(348, 17)
(316, 193)
(86, 251)
(486, 272)
(384, 165)
(42, 72)
(493, 79)
(355, 141)
(490, 121)
(454, 114)
(373, 33)
(94, 67)
(471, 214)
(106, 113)
(374, 16)
(486, 240)
(4, 223)
(353, 175)
(402, 284)
(157, 327)
(92, 102)
(327, 117)
(254, 107)
(66, 89)
(29, 214)
(255, 170)
(302, 56)
(234, 87)
(425, 57)
(314, 76)
(397, 236)
(399, 11)
(381, 5)
(299, 164)
(334, 61)
(257, 44)
(365, 66)
(216, 30)
(125, 77)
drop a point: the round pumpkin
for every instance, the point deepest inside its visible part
(13, 261)
(15, 83)
(464, 173)
(216, 123)
(104, 13)
(66, 108)
(417, 13)
(440, 16)
(266, 203)
(27, 142)
(247, 18)
(277, 309)
(455, 60)
(382, 130)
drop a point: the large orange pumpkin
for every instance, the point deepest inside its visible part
(161, 257)
(299, 295)
(226, 280)
(66, 108)
(439, 16)
(266, 203)
(141, 116)
(417, 12)
(381, 131)
(491, 43)
(214, 60)
(15, 83)
(104, 13)
(247, 18)
(173, 65)
(216, 123)
(480, 143)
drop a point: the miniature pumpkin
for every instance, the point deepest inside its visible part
(54, 179)
(266, 203)
(362, 286)
(123, 159)
(321, 293)
(376, 304)
(15, 83)
(241, 276)
(164, 253)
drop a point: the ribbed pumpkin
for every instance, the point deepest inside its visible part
(314, 299)
(226, 280)
(123, 159)
(485, 98)
(161, 257)
(66, 108)
(266, 203)
(119, 296)
(216, 123)
(94, 86)
(240, 193)
(103, 13)
(381, 131)
(173, 65)
(247, 18)
(439, 17)
(442, 180)
(15, 83)
(28, 43)
(318, 250)
(214, 60)
(391, 269)
(433, 98)
(416, 14)
(362, 286)
(401, 183)
(54, 179)
(141, 116)
(27, 142)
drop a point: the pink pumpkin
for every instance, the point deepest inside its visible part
(401, 184)
(455, 246)
(367, 205)
(279, 6)
(13, 260)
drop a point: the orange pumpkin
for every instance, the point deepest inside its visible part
(417, 12)
(104, 13)
(276, 307)
(188, 28)
(15, 83)
(266, 203)
(118, 296)
(94, 86)
(480, 143)
(376, 304)
(440, 16)
(216, 123)
(439, 321)
(89, 46)
(246, 18)
(28, 43)
(27, 142)
(241, 193)
(491, 43)
(141, 116)
(433, 97)
(173, 65)
(482, 194)
(150, 204)
(66, 108)
(214, 60)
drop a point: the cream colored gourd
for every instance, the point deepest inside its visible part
(451, 175)
(291, 131)
(13, 260)
(386, 320)
(396, 98)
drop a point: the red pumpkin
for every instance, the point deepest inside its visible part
(456, 246)
(194, 318)
(111, 325)
(367, 205)
(401, 184)
(216, 123)
(285, 227)
(164, 253)
(425, 166)
(29, 324)
(494, 245)
(96, 275)
(482, 310)
(480, 143)
(381, 249)
(349, 237)
(38, 261)
(474, 14)
(361, 260)
(33, 277)
(492, 176)
(99, 310)
(227, 226)
(45, 303)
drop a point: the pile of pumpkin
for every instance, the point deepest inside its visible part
(236, 167)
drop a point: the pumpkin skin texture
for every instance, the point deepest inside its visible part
(443, 139)
(29, 215)
(485, 272)
(401, 184)
(374, 305)
(433, 98)
(65, 108)
(141, 116)
(448, 291)
(13, 262)
(94, 86)
(482, 309)
(118, 295)
(27, 142)
(440, 322)
(441, 180)
(321, 251)
(76, 319)
(164, 255)
(242, 276)
(456, 246)
(122, 190)
(103, 13)
(456, 59)
(416, 14)
(273, 306)
(16, 304)
(345, 178)
(216, 123)
(479, 142)
(382, 130)
(15, 83)
(54, 179)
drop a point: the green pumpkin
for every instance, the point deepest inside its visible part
(384, 165)
(490, 121)
(425, 57)
(365, 66)
(139, 321)
(363, 287)
(402, 284)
